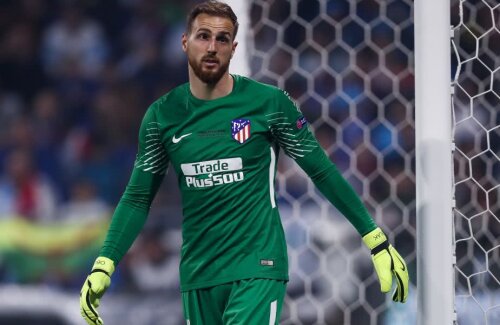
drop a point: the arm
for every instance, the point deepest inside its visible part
(129, 216)
(289, 129)
(337, 190)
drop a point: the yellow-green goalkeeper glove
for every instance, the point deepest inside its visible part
(94, 287)
(388, 263)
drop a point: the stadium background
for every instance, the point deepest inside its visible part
(70, 107)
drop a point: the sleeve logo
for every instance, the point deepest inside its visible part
(301, 122)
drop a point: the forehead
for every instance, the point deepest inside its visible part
(214, 24)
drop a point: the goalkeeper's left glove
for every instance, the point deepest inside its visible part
(388, 262)
(94, 287)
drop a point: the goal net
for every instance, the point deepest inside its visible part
(348, 64)
(476, 117)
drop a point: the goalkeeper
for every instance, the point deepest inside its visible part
(221, 133)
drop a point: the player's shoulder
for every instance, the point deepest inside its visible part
(169, 107)
(257, 87)
(175, 96)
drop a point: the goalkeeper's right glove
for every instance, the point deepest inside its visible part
(388, 262)
(94, 287)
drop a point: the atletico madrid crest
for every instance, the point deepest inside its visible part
(240, 130)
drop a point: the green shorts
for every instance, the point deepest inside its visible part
(243, 302)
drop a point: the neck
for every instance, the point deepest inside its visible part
(205, 91)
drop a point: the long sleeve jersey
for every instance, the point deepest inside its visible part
(224, 153)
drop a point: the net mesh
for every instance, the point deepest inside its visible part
(349, 65)
(476, 117)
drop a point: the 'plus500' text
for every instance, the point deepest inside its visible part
(214, 180)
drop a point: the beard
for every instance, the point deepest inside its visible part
(210, 77)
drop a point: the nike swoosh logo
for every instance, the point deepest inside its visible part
(176, 140)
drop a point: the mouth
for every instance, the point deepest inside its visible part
(210, 62)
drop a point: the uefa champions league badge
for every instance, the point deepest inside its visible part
(240, 130)
(301, 121)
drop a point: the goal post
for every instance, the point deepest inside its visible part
(433, 133)
(239, 62)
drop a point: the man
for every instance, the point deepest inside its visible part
(221, 134)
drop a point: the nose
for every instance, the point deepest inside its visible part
(212, 46)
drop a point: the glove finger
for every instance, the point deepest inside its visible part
(90, 321)
(382, 263)
(402, 277)
(90, 317)
(401, 292)
(93, 297)
(86, 315)
(83, 304)
(87, 309)
(398, 295)
(395, 296)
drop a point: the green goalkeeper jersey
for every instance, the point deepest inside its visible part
(224, 152)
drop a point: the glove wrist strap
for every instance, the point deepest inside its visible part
(100, 271)
(103, 264)
(374, 238)
(380, 247)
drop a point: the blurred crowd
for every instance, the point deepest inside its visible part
(75, 80)
(77, 76)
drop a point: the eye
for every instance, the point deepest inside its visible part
(223, 39)
(203, 36)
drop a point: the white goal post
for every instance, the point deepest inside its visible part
(239, 63)
(433, 133)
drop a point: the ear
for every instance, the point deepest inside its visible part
(235, 44)
(184, 42)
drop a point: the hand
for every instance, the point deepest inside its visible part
(94, 287)
(388, 263)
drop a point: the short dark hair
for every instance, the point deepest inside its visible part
(212, 8)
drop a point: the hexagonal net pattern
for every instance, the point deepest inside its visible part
(476, 116)
(349, 66)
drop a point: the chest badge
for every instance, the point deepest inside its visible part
(240, 130)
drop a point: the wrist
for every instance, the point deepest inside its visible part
(374, 238)
(104, 264)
